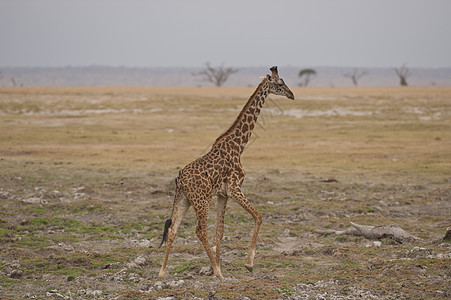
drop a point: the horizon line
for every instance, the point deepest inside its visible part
(199, 67)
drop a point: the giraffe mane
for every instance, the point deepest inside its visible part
(240, 115)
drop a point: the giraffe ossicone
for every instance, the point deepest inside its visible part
(220, 173)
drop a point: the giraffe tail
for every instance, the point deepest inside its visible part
(168, 222)
(165, 232)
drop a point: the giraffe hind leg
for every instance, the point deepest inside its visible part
(171, 227)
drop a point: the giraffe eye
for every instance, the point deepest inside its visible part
(280, 82)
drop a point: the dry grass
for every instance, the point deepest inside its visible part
(100, 162)
(340, 128)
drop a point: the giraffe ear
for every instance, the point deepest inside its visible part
(268, 76)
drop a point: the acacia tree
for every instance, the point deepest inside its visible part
(355, 75)
(306, 74)
(403, 72)
(216, 75)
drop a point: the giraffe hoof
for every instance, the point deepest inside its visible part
(162, 275)
(249, 268)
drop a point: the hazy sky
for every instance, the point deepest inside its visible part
(145, 33)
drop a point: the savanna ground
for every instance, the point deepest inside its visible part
(87, 179)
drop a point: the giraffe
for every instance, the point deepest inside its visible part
(220, 173)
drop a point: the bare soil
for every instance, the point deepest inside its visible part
(87, 179)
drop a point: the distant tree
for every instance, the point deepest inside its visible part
(355, 75)
(403, 72)
(15, 83)
(216, 75)
(306, 74)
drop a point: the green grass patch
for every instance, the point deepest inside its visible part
(39, 221)
(189, 266)
(56, 266)
(32, 242)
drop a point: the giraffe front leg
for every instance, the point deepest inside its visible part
(221, 206)
(239, 197)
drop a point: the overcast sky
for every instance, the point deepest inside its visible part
(351, 33)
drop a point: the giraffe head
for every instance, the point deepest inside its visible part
(277, 86)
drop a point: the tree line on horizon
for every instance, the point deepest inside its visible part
(403, 73)
(219, 75)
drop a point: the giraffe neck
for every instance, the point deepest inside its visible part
(240, 131)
